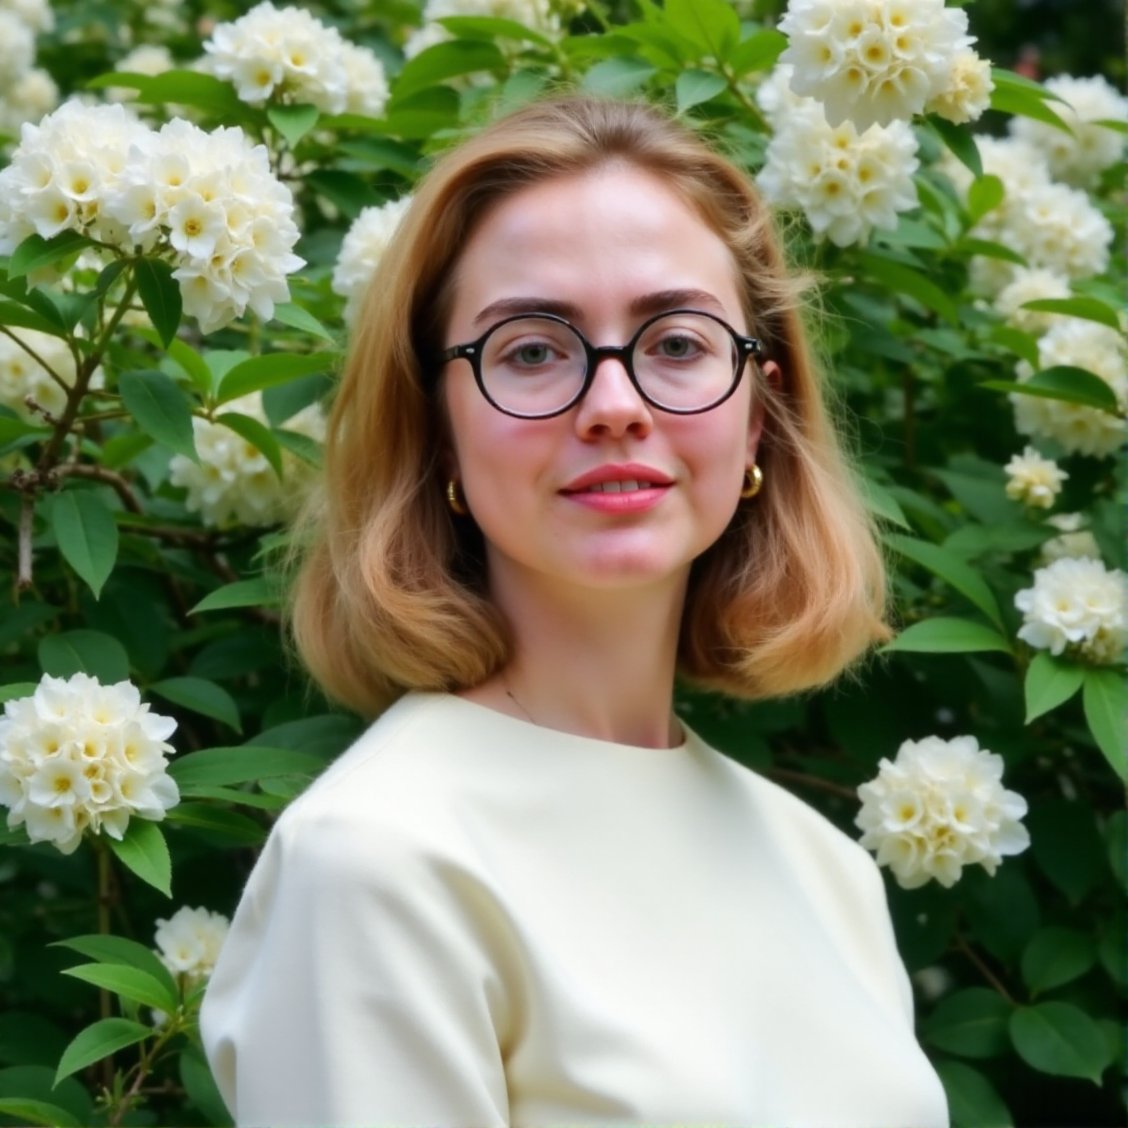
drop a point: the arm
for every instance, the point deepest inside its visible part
(357, 985)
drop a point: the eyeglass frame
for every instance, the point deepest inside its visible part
(471, 351)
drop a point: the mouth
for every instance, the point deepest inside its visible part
(629, 486)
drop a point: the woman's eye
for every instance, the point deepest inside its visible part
(537, 353)
(679, 348)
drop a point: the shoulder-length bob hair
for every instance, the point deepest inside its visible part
(391, 594)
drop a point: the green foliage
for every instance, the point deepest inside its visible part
(115, 569)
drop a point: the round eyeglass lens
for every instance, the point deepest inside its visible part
(533, 365)
(685, 361)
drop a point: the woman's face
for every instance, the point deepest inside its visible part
(606, 249)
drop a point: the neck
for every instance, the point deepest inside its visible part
(597, 664)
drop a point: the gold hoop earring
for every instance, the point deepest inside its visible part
(455, 499)
(753, 482)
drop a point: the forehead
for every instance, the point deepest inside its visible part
(598, 240)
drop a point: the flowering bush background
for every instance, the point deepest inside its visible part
(196, 200)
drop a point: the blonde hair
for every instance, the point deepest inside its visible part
(391, 594)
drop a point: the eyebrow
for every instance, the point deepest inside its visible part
(657, 302)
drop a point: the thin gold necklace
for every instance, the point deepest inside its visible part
(513, 697)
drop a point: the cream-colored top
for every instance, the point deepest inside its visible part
(469, 920)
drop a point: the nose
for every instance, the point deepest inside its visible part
(613, 405)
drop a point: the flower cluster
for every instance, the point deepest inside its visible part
(1054, 227)
(78, 755)
(537, 15)
(846, 184)
(363, 246)
(287, 55)
(940, 806)
(878, 61)
(25, 373)
(1030, 284)
(188, 942)
(1077, 428)
(27, 92)
(1080, 156)
(233, 482)
(1076, 605)
(1034, 480)
(207, 202)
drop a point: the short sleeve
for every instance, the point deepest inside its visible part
(359, 983)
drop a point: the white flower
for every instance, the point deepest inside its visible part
(212, 199)
(1034, 480)
(940, 806)
(845, 184)
(1077, 428)
(775, 97)
(1077, 606)
(1073, 539)
(64, 172)
(1078, 157)
(28, 98)
(361, 250)
(873, 61)
(287, 55)
(534, 14)
(78, 755)
(967, 91)
(33, 14)
(1031, 284)
(188, 943)
(17, 49)
(24, 377)
(234, 483)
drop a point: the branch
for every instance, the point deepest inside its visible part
(37, 358)
(23, 571)
(805, 780)
(101, 474)
(983, 969)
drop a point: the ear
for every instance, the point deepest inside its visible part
(773, 375)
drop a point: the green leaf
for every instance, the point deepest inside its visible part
(446, 60)
(1056, 956)
(712, 26)
(87, 535)
(35, 252)
(20, 317)
(1090, 309)
(984, 194)
(1063, 382)
(293, 122)
(1105, 697)
(971, 1023)
(28, 1111)
(99, 1041)
(143, 850)
(161, 408)
(1059, 1039)
(949, 636)
(274, 368)
(128, 982)
(618, 77)
(1067, 846)
(84, 651)
(959, 140)
(882, 503)
(972, 1100)
(952, 570)
(1023, 345)
(288, 313)
(302, 446)
(1049, 683)
(259, 435)
(221, 767)
(696, 86)
(758, 52)
(106, 948)
(259, 592)
(1014, 94)
(160, 295)
(16, 690)
(200, 1087)
(901, 279)
(201, 696)
(221, 825)
(185, 88)
(967, 247)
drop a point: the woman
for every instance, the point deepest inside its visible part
(579, 448)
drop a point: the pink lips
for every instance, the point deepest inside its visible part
(619, 488)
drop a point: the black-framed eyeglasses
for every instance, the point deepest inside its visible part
(537, 365)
